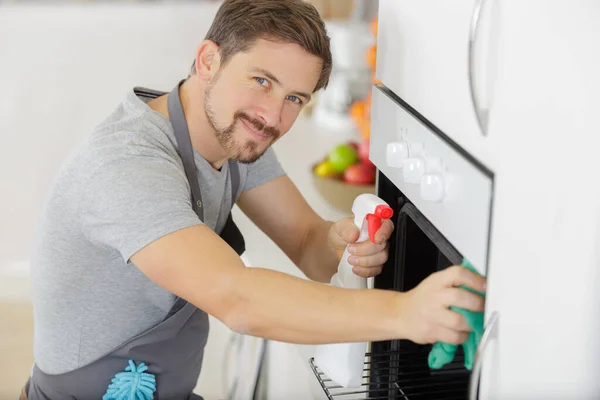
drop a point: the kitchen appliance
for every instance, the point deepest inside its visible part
(485, 140)
(422, 177)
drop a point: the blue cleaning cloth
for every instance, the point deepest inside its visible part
(443, 353)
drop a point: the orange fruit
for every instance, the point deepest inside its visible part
(359, 119)
(357, 109)
(368, 106)
(374, 25)
(372, 56)
(364, 126)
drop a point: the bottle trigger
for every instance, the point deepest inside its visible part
(374, 223)
(374, 220)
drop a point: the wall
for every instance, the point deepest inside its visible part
(61, 72)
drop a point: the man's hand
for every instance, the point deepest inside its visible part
(367, 257)
(425, 309)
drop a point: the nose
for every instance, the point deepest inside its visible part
(270, 111)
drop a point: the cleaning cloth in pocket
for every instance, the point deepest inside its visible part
(443, 353)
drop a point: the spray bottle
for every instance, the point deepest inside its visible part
(343, 363)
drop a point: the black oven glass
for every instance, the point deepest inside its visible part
(398, 369)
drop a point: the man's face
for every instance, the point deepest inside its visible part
(255, 98)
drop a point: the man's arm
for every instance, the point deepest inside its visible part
(194, 263)
(293, 225)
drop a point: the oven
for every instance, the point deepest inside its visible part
(442, 201)
(483, 131)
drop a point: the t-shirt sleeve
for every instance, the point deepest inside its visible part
(263, 170)
(134, 200)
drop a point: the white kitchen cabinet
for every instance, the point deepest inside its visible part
(544, 130)
(423, 57)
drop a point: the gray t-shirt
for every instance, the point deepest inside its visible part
(122, 189)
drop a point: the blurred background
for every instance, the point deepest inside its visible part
(64, 65)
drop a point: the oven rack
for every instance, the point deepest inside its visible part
(402, 375)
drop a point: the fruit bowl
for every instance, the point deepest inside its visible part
(343, 174)
(338, 193)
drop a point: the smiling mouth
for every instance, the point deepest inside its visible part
(258, 134)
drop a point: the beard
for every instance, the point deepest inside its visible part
(245, 153)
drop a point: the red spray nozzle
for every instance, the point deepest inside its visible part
(374, 220)
(383, 211)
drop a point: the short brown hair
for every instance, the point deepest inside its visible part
(239, 23)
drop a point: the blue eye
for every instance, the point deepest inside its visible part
(262, 81)
(295, 99)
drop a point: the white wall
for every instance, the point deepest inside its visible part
(61, 70)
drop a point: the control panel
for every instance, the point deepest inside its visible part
(447, 185)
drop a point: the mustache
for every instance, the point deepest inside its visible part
(258, 125)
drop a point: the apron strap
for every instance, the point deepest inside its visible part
(147, 92)
(186, 151)
(234, 173)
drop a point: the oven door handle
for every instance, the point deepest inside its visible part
(474, 28)
(477, 368)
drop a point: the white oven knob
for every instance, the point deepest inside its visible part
(413, 169)
(397, 152)
(432, 187)
(432, 182)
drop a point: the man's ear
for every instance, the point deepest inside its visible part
(207, 60)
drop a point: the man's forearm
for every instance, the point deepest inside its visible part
(277, 306)
(319, 260)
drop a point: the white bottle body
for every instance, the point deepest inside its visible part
(343, 363)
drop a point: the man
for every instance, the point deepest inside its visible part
(136, 244)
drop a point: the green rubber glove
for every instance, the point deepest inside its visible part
(443, 353)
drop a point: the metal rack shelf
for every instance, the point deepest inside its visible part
(402, 375)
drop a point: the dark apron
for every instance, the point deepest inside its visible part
(173, 349)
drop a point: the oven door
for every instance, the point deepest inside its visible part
(417, 249)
